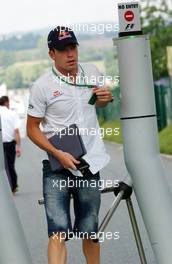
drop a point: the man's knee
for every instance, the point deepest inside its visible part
(57, 238)
(91, 242)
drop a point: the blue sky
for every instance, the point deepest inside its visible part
(21, 15)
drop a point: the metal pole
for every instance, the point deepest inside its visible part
(13, 246)
(141, 147)
(136, 231)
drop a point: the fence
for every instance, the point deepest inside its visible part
(163, 99)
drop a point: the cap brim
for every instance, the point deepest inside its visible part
(65, 43)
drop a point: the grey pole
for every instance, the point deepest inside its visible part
(141, 147)
(13, 246)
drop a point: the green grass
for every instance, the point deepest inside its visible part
(99, 64)
(165, 136)
(22, 64)
(112, 126)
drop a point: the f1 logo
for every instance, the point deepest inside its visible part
(129, 26)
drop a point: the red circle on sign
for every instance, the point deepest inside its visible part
(129, 15)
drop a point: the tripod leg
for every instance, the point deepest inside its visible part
(136, 231)
(110, 213)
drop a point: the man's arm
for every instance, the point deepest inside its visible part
(37, 136)
(17, 139)
(104, 96)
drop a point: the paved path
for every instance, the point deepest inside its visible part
(121, 251)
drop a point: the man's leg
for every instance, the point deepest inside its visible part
(10, 155)
(57, 207)
(87, 200)
(57, 253)
(91, 251)
(5, 145)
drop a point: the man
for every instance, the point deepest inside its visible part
(58, 99)
(11, 140)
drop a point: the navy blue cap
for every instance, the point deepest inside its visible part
(61, 36)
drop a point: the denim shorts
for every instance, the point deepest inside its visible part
(58, 188)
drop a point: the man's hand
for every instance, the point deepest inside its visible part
(104, 96)
(18, 151)
(67, 160)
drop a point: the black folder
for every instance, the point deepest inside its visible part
(68, 140)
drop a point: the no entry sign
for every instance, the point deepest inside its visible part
(129, 18)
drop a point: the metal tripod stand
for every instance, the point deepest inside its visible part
(122, 192)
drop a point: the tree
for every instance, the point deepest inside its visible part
(6, 58)
(13, 78)
(42, 48)
(27, 41)
(157, 22)
(110, 60)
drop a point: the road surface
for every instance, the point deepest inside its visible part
(121, 251)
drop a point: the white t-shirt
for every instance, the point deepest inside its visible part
(62, 104)
(9, 122)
